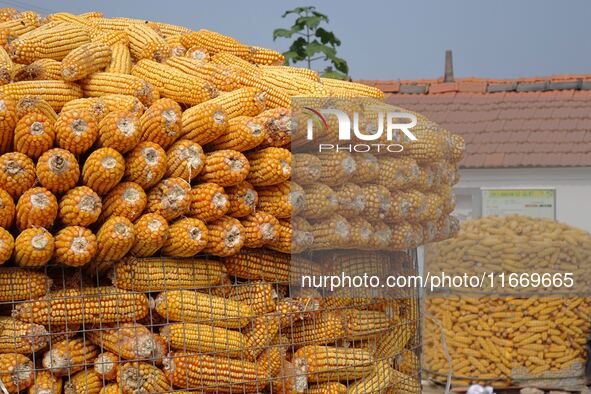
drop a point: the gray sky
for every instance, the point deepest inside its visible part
(396, 39)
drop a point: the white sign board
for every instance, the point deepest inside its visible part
(537, 203)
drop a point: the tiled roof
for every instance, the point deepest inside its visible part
(507, 123)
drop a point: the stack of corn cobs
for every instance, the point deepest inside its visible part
(128, 148)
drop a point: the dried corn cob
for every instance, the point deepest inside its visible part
(260, 296)
(70, 18)
(102, 170)
(224, 78)
(430, 145)
(145, 43)
(120, 59)
(7, 209)
(209, 202)
(76, 130)
(185, 159)
(58, 170)
(260, 228)
(111, 388)
(367, 167)
(111, 38)
(16, 372)
(6, 245)
(69, 356)
(265, 56)
(225, 237)
(161, 123)
(33, 104)
(330, 233)
(176, 48)
(118, 102)
(225, 167)
(91, 305)
(282, 201)
(326, 363)
(170, 198)
(382, 377)
(166, 273)
(151, 231)
(361, 233)
(243, 200)
(37, 207)
(145, 164)
(243, 133)
(85, 60)
(321, 202)
(351, 200)
(306, 72)
(186, 237)
(45, 383)
(131, 341)
(204, 122)
(56, 93)
(106, 365)
(17, 173)
(336, 167)
(21, 337)
(7, 14)
(84, 382)
(378, 202)
(7, 122)
(20, 24)
(350, 89)
(363, 325)
(141, 377)
(197, 53)
(277, 124)
(53, 42)
(22, 284)
(195, 307)
(292, 238)
(114, 239)
(204, 339)
(80, 206)
(173, 83)
(94, 105)
(397, 173)
(215, 42)
(393, 342)
(242, 102)
(127, 199)
(292, 378)
(269, 166)
(408, 363)
(382, 236)
(328, 388)
(119, 130)
(103, 83)
(75, 246)
(39, 70)
(326, 328)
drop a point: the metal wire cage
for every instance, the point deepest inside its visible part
(155, 325)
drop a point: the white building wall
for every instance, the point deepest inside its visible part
(573, 189)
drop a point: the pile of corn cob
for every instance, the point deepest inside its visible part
(123, 139)
(530, 335)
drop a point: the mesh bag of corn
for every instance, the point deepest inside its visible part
(532, 331)
(158, 204)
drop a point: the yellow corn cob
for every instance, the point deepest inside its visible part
(127, 199)
(53, 42)
(45, 383)
(33, 104)
(260, 334)
(361, 232)
(16, 372)
(56, 93)
(382, 377)
(17, 173)
(91, 305)
(58, 170)
(209, 202)
(85, 60)
(417, 205)
(269, 166)
(292, 378)
(204, 122)
(118, 102)
(167, 273)
(321, 201)
(408, 363)
(145, 43)
(114, 239)
(265, 56)
(242, 102)
(225, 167)
(225, 237)
(336, 167)
(141, 377)
(7, 122)
(306, 72)
(6, 245)
(215, 42)
(131, 341)
(7, 35)
(363, 325)
(194, 307)
(378, 202)
(176, 47)
(106, 365)
(197, 53)
(204, 339)
(328, 388)
(350, 89)
(171, 30)
(120, 59)
(224, 78)
(351, 200)
(260, 228)
(145, 164)
(294, 238)
(118, 24)
(151, 231)
(173, 83)
(111, 388)
(103, 83)
(7, 68)
(80, 206)
(75, 246)
(84, 382)
(21, 337)
(186, 237)
(277, 126)
(430, 145)
(326, 328)
(42, 69)
(7, 14)
(458, 148)
(20, 25)
(161, 123)
(119, 130)
(103, 170)
(170, 198)
(22, 284)
(260, 296)
(334, 231)
(94, 105)
(7, 209)
(76, 130)
(367, 167)
(393, 342)
(261, 264)
(185, 159)
(37, 207)
(243, 133)
(110, 38)
(69, 356)
(243, 199)
(70, 18)
(397, 173)
(326, 363)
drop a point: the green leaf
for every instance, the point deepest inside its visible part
(311, 22)
(329, 72)
(286, 33)
(298, 10)
(316, 47)
(327, 37)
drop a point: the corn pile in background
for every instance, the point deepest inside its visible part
(528, 335)
(128, 148)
